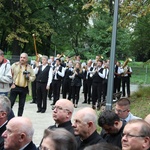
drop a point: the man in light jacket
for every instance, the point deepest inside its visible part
(5, 74)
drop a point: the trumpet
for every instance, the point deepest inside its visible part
(35, 48)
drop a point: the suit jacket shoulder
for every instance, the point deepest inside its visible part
(31, 146)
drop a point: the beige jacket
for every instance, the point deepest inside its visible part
(17, 72)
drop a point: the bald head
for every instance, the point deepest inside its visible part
(19, 132)
(85, 122)
(62, 111)
(88, 114)
(66, 103)
(22, 124)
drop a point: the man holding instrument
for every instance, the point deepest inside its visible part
(23, 74)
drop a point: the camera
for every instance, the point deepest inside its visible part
(26, 73)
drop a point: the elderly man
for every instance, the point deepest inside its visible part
(85, 127)
(112, 127)
(23, 74)
(136, 135)
(18, 134)
(122, 109)
(5, 109)
(62, 113)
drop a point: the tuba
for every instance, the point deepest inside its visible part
(126, 62)
(124, 67)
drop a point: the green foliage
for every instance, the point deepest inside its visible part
(140, 45)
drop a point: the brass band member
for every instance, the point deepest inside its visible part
(97, 85)
(126, 80)
(76, 83)
(66, 86)
(43, 81)
(58, 74)
(87, 82)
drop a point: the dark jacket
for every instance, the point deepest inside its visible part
(31, 146)
(66, 125)
(2, 129)
(42, 76)
(77, 80)
(91, 140)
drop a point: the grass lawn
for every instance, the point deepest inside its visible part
(141, 73)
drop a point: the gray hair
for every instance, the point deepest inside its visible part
(145, 127)
(5, 104)
(63, 139)
(25, 55)
(90, 117)
(1, 52)
(44, 56)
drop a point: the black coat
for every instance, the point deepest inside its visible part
(77, 80)
(31, 146)
(2, 129)
(91, 140)
(66, 125)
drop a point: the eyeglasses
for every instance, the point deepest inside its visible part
(43, 148)
(59, 108)
(121, 111)
(131, 135)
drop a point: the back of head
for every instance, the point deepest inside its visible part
(107, 117)
(102, 146)
(62, 139)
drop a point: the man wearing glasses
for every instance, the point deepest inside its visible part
(136, 135)
(62, 113)
(122, 109)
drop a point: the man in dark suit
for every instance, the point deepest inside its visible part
(85, 121)
(62, 113)
(18, 134)
(43, 81)
(58, 74)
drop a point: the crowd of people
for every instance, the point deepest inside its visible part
(52, 76)
(120, 128)
(78, 132)
(59, 76)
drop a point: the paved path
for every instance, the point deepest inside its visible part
(42, 120)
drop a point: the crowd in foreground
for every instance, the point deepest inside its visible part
(120, 129)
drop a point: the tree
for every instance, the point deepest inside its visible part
(140, 43)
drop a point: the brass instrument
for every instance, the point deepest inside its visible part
(35, 48)
(124, 67)
(126, 62)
